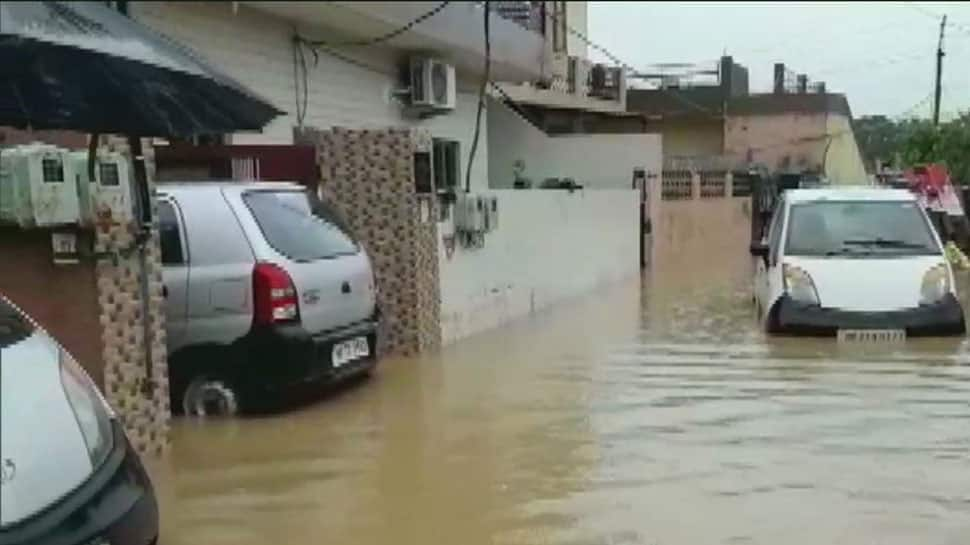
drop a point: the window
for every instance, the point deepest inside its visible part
(298, 225)
(52, 170)
(108, 173)
(447, 164)
(170, 234)
(422, 172)
(774, 232)
(859, 228)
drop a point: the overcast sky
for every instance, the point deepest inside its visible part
(881, 55)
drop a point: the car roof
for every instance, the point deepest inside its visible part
(860, 193)
(233, 185)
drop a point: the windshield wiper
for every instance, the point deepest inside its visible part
(846, 251)
(887, 243)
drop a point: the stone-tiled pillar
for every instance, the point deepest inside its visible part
(140, 398)
(368, 175)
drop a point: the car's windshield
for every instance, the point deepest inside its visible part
(859, 228)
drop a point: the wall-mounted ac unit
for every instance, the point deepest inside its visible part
(607, 82)
(579, 69)
(432, 85)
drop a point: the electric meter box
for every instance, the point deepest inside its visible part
(491, 212)
(470, 213)
(108, 196)
(37, 186)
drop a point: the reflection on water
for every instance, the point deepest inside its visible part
(654, 414)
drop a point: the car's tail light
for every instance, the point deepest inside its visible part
(274, 295)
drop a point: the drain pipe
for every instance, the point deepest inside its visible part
(144, 234)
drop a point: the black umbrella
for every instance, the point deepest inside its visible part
(83, 66)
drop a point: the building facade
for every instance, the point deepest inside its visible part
(723, 126)
(341, 72)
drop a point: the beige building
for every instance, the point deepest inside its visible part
(799, 132)
(724, 126)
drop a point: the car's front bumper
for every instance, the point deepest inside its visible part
(792, 317)
(115, 505)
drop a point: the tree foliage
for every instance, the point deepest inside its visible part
(916, 141)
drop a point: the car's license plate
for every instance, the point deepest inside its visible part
(872, 335)
(347, 351)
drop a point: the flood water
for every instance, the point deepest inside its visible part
(654, 412)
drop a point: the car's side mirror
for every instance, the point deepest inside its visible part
(762, 250)
(759, 249)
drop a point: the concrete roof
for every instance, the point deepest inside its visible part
(772, 104)
(709, 102)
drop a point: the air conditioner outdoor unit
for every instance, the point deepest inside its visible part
(432, 84)
(578, 79)
(607, 82)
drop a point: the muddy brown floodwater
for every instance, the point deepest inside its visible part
(655, 412)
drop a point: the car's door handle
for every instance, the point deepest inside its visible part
(345, 287)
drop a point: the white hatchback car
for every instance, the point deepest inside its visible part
(854, 262)
(67, 471)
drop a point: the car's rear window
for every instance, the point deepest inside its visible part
(874, 228)
(298, 225)
(14, 327)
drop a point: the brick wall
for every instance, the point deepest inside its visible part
(65, 139)
(61, 298)
(138, 390)
(368, 176)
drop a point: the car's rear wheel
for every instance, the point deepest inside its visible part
(210, 396)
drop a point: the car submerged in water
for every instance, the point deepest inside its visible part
(67, 472)
(857, 263)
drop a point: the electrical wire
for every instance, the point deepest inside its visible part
(317, 49)
(878, 63)
(388, 35)
(511, 103)
(299, 66)
(301, 73)
(936, 16)
(628, 68)
(912, 109)
(481, 99)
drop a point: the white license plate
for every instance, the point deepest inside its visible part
(347, 351)
(872, 335)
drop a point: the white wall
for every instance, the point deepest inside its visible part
(257, 49)
(550, 246)
(598, 161)
(843, 161)
(576, 18)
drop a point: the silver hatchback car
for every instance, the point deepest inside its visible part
(265, 289)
